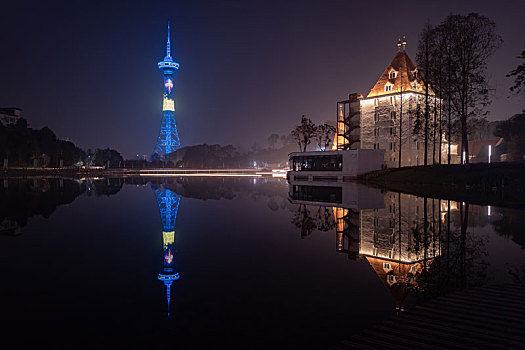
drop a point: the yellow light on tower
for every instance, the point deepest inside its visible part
(168, 238)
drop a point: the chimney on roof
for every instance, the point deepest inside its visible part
(399, 44)
(404, 43)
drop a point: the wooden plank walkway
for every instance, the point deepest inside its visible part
(491, 317)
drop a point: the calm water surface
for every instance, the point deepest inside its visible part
(191, 262)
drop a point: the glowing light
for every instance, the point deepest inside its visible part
(201, 175)
(168, 238)
(490, 153)
(488, 210)
(464, 158)
(168, 84)
(169, 257)
(168, 105)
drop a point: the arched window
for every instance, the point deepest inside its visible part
(392, 74)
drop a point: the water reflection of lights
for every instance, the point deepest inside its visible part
(205, 174)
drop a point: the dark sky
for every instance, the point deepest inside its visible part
(88, 69)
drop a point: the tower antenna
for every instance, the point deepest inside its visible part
(168, 45)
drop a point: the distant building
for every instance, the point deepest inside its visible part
(387, 116)
(481, 150)
(10, 115)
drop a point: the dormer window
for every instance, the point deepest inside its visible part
(392, 74)
(388, 87)
(414, 85)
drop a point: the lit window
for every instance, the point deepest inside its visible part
(392, 75)
(388, 87)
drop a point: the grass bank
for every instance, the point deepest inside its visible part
(498, 184)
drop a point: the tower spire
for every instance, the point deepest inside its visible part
(168, 44)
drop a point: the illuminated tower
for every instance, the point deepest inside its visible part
(168, 202)
(168, 140)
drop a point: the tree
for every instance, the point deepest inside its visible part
(477, 128)
(457, 59)
(272, 140)
(324, 134)
(519, 76)
(303, 133)
(512, 131)
(423, 58)
(473, 40)
(107, 157)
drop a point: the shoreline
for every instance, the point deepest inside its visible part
(497, 184)
(124, 172)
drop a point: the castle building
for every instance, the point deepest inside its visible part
(391, 116)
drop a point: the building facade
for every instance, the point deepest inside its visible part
(391, 117)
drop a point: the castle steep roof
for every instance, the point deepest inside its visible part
(405, 75)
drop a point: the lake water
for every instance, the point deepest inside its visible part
(194, 262)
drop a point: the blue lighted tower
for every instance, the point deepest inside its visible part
(168, 202)
(168, 140)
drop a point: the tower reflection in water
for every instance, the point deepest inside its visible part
(168, 202)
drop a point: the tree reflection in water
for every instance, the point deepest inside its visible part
(417, 246)
(22, 198)
(322, 220)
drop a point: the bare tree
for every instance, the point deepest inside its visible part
(473, 40)
(456, 53)
(324, 134)
(423, 58)
(303, 133)
(519, 74)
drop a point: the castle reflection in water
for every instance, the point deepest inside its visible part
(399, 235)
(412, 243)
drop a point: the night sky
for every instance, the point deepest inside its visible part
(248, 68)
